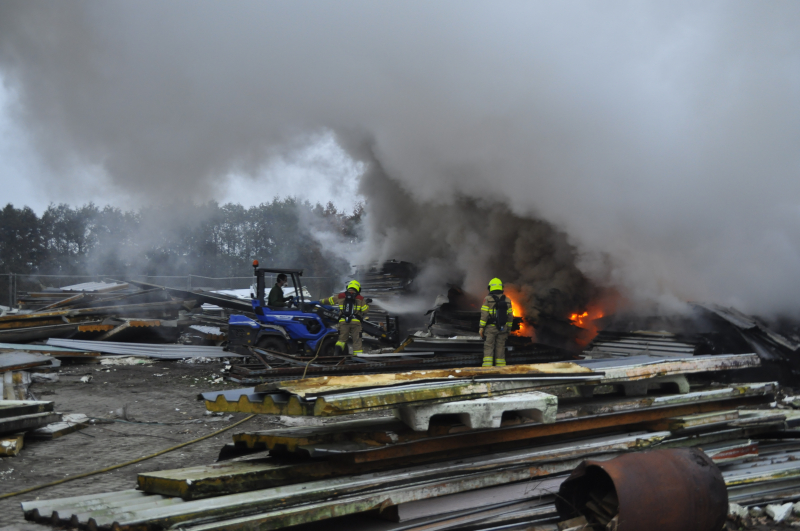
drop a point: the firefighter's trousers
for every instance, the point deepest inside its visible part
(494, 348)
(348, 330)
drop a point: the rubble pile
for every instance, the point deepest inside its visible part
(419, 436)
(481, 448)
(114, 311)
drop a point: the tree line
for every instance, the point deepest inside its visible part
(209, 240)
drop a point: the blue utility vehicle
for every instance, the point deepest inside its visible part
(301, 327)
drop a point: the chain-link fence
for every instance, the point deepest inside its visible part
(13, 284)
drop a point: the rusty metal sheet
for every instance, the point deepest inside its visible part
(661, 490)
(376, 433)
(371, 400)
(328, 384)
(730, 451)
(642, 367)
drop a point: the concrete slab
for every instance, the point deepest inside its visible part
(483, 412)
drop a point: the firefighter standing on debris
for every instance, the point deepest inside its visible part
(352, 308)
(497, 317)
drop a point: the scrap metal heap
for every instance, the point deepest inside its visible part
(117, 311)
(465, 448)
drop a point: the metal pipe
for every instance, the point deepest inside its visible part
(663, 490)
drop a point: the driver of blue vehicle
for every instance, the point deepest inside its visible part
(276, 298)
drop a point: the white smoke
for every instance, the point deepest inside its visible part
(657, 142)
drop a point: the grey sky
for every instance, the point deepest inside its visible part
(665, 134)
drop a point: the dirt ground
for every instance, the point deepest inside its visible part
(164, 392)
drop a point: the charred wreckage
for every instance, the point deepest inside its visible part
(659, 423)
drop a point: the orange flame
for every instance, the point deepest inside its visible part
(586, 321)
(517, 298)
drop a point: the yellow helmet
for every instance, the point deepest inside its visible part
(355, 285)
(495, 283)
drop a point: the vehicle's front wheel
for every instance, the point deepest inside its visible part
(272, 343)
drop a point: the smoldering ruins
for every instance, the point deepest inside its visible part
(629, 172)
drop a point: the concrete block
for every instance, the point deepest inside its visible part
(483, 412)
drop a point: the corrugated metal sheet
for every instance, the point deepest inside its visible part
(96, 287)
(280, 507)
(39, 348)
(733, 316)
(165, 351)
(16, 361)
(621, 345)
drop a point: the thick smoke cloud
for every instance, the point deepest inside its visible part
(660, 137)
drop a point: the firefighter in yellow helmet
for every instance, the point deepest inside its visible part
(497, 316)
(352, 308)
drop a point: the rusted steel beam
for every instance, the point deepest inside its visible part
(496, 437)
(379, 432)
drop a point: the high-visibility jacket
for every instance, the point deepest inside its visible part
(489, 314)
(359, 309)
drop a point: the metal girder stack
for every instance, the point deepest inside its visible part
(457, 448)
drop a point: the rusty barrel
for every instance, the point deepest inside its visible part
(662, 490)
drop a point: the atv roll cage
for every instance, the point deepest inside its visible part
(260, 273)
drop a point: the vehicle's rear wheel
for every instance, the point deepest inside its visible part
(328, 345)
(272, 343)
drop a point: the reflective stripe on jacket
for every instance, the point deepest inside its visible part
(488, 311)
(359, 309)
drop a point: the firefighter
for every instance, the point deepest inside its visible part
(275, 298)
(497, 317)
(352, 308)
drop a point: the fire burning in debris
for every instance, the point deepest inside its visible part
(578, 319)
(586, 321)
(525, 330)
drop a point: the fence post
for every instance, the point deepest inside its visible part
(14, 298)
(10, 294)
(189, 282)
